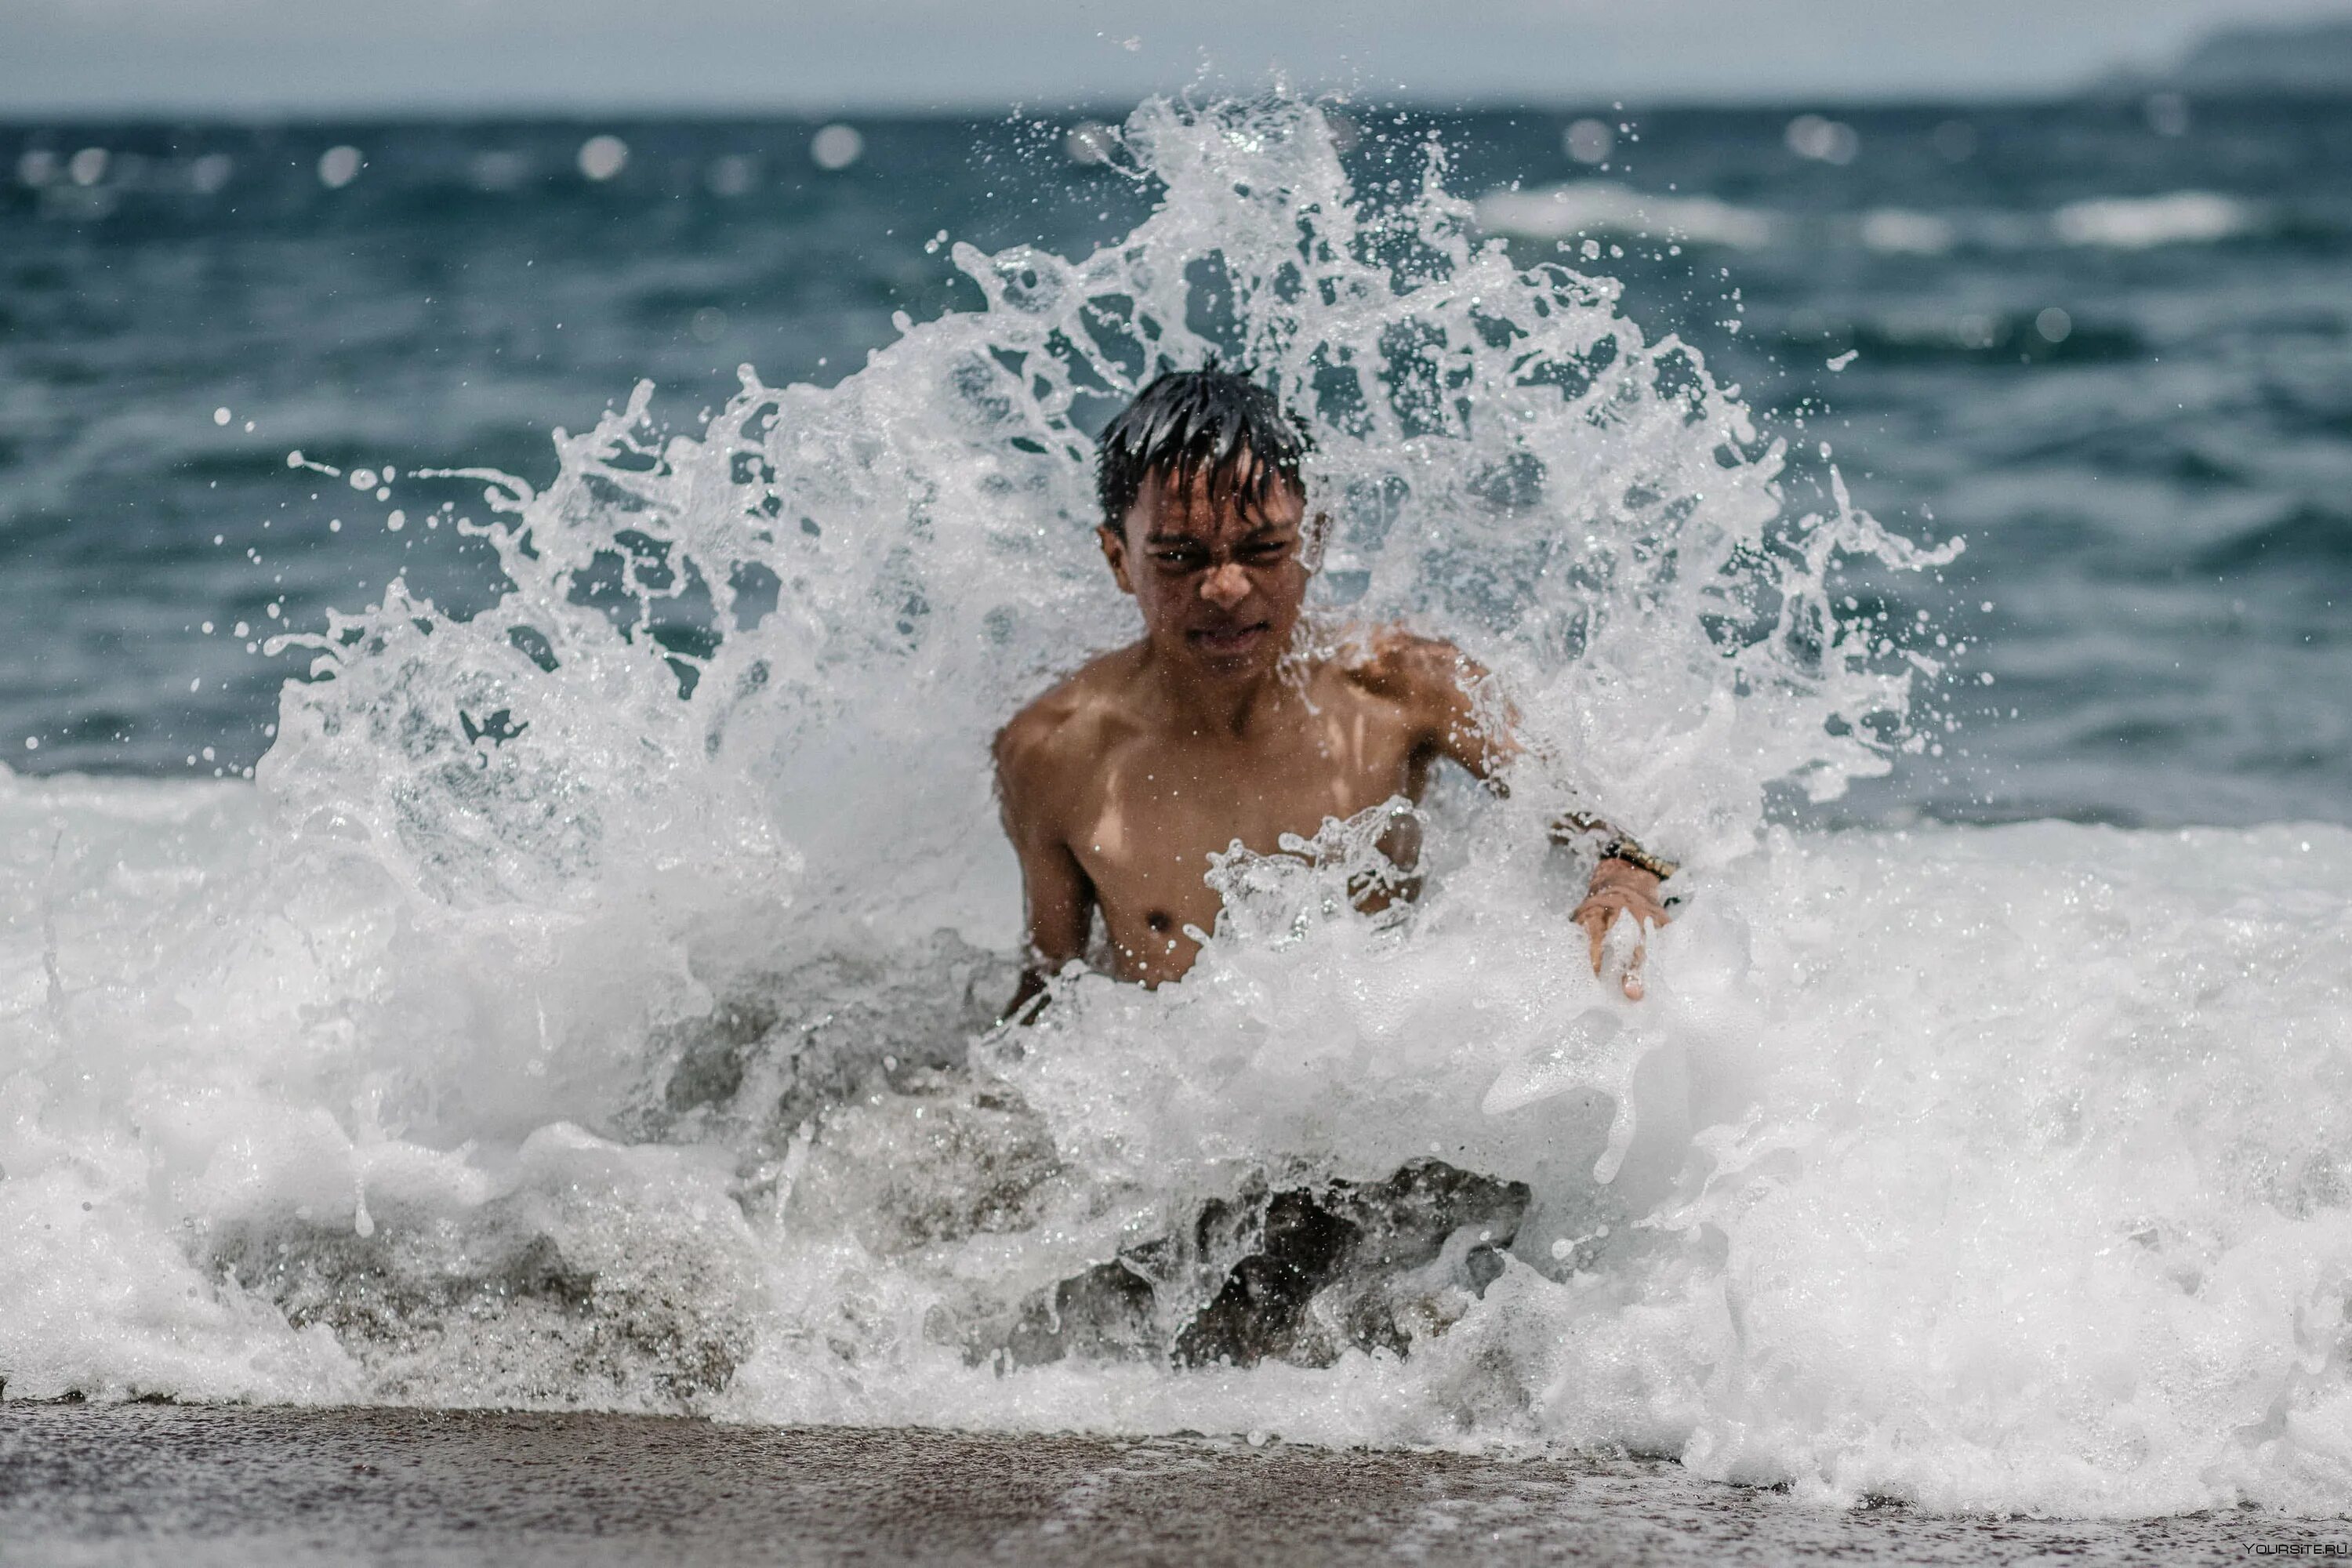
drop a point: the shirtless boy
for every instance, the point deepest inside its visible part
(1120, 782)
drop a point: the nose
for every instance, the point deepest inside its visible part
(1226, 587)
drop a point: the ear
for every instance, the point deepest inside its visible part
(1312, 537)
(1114, 549)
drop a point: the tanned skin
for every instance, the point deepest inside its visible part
(1119, 783)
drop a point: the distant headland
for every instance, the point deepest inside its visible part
(2301, 58)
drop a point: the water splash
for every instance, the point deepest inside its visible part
(588, 1005)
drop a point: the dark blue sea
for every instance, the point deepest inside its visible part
(2153, 491)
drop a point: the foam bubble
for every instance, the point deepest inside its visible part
(1090, 141)
(1823, 139)
(210, 173)
(836, 146)
(602, 157)
(338, 166)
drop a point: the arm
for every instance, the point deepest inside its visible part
(1627, 878)
(1059, 900)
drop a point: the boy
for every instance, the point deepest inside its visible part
(1120, 782)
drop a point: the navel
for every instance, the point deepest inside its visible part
(1158, 921)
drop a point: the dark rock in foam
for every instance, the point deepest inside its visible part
(1300, 1275)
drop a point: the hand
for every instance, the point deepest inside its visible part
(1620, 887)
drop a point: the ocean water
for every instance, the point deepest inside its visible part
(503, 899)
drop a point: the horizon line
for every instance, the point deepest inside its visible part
(1107, 110)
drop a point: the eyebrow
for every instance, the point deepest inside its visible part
(1260, 532)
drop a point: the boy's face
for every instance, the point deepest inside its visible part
(1219, 581)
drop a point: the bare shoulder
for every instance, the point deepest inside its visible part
(1435, 687)
(1423, 673)
(1059, 729)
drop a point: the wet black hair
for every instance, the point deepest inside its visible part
(1189, 420)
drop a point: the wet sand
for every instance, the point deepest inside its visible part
(200, 1485)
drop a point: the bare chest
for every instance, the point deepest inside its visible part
(1160, 807)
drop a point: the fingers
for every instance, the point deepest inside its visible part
(1597, 916)
(1649, 910)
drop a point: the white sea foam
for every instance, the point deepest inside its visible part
(1604, 208)
(2142, 223)
(1902, 232)
(561, 1021)
(1600, 207)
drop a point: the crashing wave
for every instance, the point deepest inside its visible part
(588, 1005)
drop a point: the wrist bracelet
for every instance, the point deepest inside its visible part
(1641, 859)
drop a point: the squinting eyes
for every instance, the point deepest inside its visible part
(1194, 560)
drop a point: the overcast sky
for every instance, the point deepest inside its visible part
(266, 55)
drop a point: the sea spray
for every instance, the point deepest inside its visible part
(590, 1002)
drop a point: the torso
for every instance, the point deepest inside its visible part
(1142, 809)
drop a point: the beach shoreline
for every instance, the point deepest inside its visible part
(204, 1484)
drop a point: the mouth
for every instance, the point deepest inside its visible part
(1224, 642)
